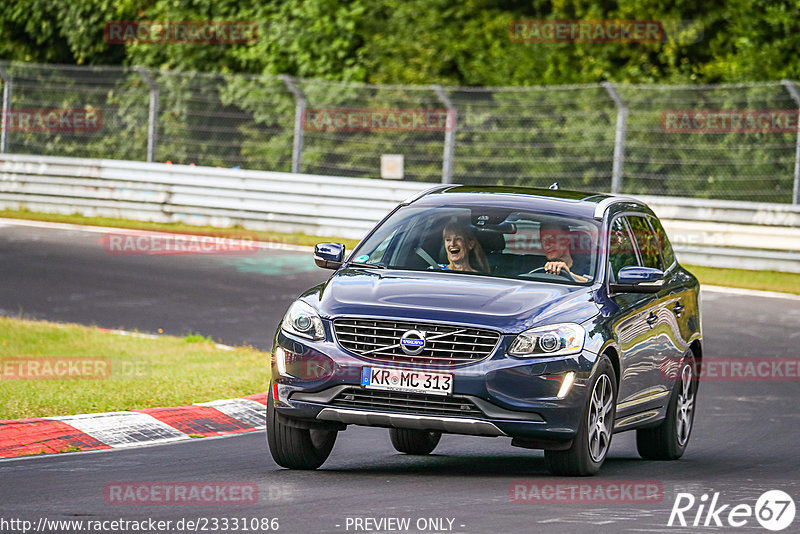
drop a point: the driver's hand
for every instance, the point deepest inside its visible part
(555, 267)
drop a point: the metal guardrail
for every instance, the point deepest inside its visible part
(317, 205)
(714, 233)
(732, 234)
(725, 141)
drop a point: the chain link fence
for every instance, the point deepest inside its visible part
(737, 141)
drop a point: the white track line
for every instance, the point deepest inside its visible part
(266, 245)
(749, 292)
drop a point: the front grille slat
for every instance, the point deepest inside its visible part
(416, 403)
(375, 339)
(361, 338)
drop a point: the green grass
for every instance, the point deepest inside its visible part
(762, 280)
(145, 373)
(278, 237)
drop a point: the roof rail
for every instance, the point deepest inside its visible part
(417, 196)
(604, 204)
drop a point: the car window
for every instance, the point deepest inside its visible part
(621, 252)
(497, 241)
(377, 255)
(664, 245)
(646, 242)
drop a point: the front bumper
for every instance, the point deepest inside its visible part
(508, 396)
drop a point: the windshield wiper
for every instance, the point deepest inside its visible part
(373, 265)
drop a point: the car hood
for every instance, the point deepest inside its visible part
(510, 306)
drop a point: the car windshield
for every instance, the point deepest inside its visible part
(485, 241)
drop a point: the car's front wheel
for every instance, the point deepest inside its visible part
(414, 441)
(593, 439)
(669, 439)
(296, 448)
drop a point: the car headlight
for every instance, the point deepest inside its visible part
(302, 320)
(553, 340)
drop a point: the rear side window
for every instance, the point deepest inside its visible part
(663, 243)
(646, 242)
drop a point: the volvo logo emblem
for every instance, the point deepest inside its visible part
(412, 342)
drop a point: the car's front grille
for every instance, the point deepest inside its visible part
(417, 403)
(379, 339)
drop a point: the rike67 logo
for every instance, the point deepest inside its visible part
(774, 510)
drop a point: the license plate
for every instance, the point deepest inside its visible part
(391, 379)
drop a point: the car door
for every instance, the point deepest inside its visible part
(633, 324)
(664, 330)
(680, 310)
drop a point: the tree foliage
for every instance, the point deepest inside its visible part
(456, 42)
(222, 104)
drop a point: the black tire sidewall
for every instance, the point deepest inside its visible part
(293, 447)
(675, 448)
(410, 441)
(577, 460)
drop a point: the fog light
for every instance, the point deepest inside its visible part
(280, 361)
(566, 385)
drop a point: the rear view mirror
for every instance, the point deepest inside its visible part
(638, 280)
(329, 255)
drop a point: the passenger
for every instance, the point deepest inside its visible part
(464, 251)
(556, 241)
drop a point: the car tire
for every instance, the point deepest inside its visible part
(596, 427)
(296, 448)
(414, 441)
(668, 440)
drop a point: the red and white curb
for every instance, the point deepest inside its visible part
(45, 435)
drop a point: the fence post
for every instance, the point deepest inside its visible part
(152, 117)
(449, 135)
(792, 88)
(299, 121)
(7, 88)
(619, 141)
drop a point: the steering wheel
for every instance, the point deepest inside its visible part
(565, 273)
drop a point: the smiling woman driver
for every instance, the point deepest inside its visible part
(464, 251)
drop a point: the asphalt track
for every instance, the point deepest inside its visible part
(745, 439)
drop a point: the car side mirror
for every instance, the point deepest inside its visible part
(638, 280)
(329, 255)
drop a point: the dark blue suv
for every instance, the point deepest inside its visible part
(552, 317)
